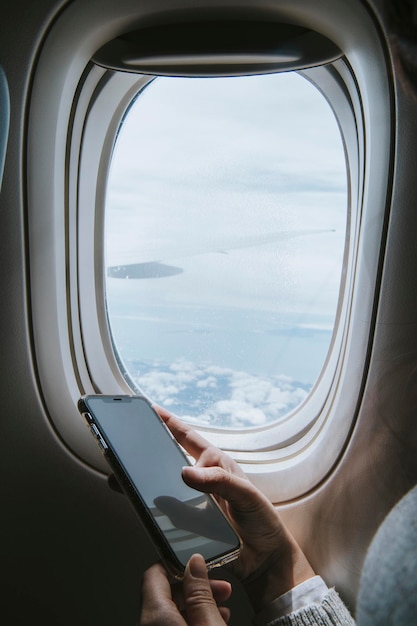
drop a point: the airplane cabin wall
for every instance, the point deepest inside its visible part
(337, 522)
(72, 551)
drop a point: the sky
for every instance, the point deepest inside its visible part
(237, 187)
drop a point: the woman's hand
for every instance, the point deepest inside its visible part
(271, 562)
(197, 605)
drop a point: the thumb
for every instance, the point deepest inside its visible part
(200, 606)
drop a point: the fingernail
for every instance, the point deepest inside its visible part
(187, 470)
(192, 470)
(197, 566)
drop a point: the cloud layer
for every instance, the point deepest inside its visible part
(221, 397)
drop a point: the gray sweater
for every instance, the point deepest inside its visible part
(388, 587)
(330, 612)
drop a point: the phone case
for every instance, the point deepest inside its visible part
(173, 565)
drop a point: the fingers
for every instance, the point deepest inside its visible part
(186, 436)
(221, 590)
(271, 561)
(200, 597)
(239, 492)
(205, 454)
(224, 613)
(158, 607)
(251, 513)
(200, 605)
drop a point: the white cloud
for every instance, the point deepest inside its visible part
(220, 396)
(207, 383)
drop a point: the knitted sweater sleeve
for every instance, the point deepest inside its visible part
(331, 611)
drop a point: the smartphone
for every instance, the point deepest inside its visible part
(147, 462)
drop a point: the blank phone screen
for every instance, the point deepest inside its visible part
(153, 461)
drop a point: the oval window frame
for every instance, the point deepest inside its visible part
(62, 278)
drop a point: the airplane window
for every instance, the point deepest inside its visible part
(225, 229)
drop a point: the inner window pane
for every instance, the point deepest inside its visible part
(225, 230)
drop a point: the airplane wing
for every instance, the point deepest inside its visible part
(160, 269)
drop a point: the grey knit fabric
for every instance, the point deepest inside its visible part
(388, 587)
(330, 612)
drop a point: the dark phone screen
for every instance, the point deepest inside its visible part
(189, 519)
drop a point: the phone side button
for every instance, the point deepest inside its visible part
(102, 443)
(88, 417)
(95, 430)
(99, 438)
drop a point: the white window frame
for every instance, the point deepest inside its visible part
(70, 142)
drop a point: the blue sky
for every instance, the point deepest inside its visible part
(240, 184)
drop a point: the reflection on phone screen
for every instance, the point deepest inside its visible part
(190, 521)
